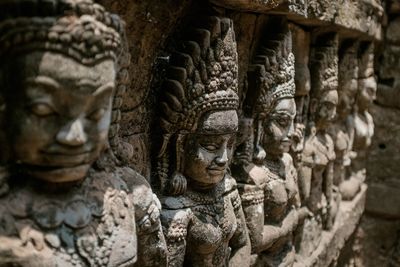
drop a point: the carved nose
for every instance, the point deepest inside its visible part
(291, 130)
(373, 96)
(72, 134)
(222, 159)
(332, 113)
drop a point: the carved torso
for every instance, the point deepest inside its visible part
(91, 224)
(319, 151)
(343, 134)
(280, 189)
(319, 154)
(207, 222)
(268, 196)
(364, 130)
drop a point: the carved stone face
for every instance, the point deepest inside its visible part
(325, 110)
(346, 97)
(58, 114)
(208, 152)
(278, 127)
(367, 93)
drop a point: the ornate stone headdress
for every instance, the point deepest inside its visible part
(324, 65)
(202, 76)
(348, 68)
(366, 60)
(271, 77)
(301, 51)
(80, 29)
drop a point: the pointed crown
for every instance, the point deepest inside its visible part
(80, 29)
(324, 64)
(271, 76)
(348, 67)
(202, 76)
(366, 60)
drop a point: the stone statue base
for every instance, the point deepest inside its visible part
(332, 242)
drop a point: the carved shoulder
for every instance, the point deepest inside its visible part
(147, 206)
(230, 183)
(175, 223)
(252, 174)
(308, 150)
(330, 146)
(287, 160)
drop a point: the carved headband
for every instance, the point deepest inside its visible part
(78, 28)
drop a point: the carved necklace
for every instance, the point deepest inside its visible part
(274, 168)
(75, 211)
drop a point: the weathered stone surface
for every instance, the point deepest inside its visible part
(202, 217)
(376, 242)
(364, 16)
(383, 159)
(260, 182)
(332, 242)
(65, 199)
(149, 24)
(393, 32)
(249, 5)
(382, 199)
(185, 73)
(377, 239)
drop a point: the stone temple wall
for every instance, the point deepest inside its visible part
(199, 133)
(377, 239)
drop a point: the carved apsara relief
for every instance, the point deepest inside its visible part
(342, 131)
(240, 182)
(318, 155)
(363, 121)
(65, 199)
(202, 218)
(267, 180)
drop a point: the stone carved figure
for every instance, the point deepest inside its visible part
(202, 216)
(342, 131)
(363, 122)
(318, 154)
(301, 51)
(65, 201)
(267, 180)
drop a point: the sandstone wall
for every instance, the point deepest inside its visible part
(151, 26)
(378, 234)
(242, 133)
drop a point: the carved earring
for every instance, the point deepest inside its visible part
(259, 152)
(178, 182)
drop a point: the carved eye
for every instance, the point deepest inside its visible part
(97, 114)
(210, 147)
(371, 90)
(282, 121)
(42, 109)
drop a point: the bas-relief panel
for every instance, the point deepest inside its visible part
(239, 182)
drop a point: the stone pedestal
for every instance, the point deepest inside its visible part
(332, 242)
